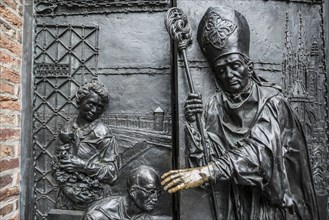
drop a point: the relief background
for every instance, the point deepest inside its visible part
(130, 54)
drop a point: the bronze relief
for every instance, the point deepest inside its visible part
(244, 147)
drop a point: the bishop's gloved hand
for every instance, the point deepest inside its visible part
(193, 106)
(176, 180)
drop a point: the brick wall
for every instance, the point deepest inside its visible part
(10, 61)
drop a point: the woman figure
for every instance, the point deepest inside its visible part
(88, 161)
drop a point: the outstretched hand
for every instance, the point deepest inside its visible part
(176, 180)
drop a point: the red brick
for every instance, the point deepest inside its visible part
(7, 29)
(10, 3)
(7, 59)
(9, 164)
(5, 180)
(9, 192)
(9, 103)
(10, 64)
(8, 44)
(4, 98)
(8, 133)
(7, 151)
(6, 88)
(10, 16)
(9, 75)
(6, 209)
(6, 119)
(16, 217)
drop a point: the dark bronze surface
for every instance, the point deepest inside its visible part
(179, 30)
(64, 7)
(268, 52)
(256, 143)
(80, 161)
(125, 46)
(87, 161)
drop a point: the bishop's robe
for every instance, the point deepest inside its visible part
(259, 156)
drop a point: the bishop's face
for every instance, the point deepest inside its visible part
(232, 73)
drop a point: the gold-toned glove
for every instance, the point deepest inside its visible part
(176, 180)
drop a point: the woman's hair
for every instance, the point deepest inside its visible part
(95, 87)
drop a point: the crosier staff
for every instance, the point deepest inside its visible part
(180, 31)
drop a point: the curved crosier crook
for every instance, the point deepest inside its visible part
(180, 31)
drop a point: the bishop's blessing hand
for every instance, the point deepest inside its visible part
(176, 180)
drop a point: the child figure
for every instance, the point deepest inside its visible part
(65, 151)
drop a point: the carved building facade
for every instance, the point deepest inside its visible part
(304, 85)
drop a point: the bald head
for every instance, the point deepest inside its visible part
(142, 176)
(144, 187)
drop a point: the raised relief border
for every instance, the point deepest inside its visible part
(300, 1)
(63, 7)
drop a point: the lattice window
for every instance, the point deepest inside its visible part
(65, 58)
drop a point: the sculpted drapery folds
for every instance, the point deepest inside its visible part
(87, 162)
(259, 158)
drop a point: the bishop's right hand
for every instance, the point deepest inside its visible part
(193, 106)
(176, 180)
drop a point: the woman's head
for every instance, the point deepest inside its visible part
(92, 99)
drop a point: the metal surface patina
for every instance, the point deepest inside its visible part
(229, 110)
(256, 149)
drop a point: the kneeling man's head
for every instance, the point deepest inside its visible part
(144, 187)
